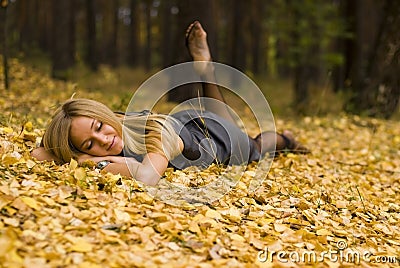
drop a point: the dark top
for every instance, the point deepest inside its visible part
(209, 138)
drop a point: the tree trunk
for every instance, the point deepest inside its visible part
(343, 46)
(45, 25)
(114, 35)
(133, 47)
(302, 67)
(91, 48)
(374, 75)
(148, 45)
(383, 89)
(167, 31)
(26, 24)
(239, 24)
(62, 40)
(5, 46)
(256, 30)
(109, 32)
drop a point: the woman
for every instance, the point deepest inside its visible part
(88, 130)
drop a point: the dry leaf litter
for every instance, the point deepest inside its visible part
(346, 191)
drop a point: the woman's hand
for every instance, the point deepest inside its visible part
(42, 154)
(112, 158)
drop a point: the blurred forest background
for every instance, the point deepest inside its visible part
(313, 53)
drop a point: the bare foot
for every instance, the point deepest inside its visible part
(196, 42)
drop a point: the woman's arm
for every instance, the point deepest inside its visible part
(149, 171)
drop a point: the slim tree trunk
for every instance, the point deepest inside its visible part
(302, 68)
(133, 47)
(26, 24)
(45, 25)
(256, 30)
(148, 46)
(167, 31)
(114, 36)
(239, 23)
(343, 46)
(5, 46)
(91, 48)
(62, 40)
(109, 32)
(72, 31)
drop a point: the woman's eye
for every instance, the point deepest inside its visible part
(89, 146)
(99, 126)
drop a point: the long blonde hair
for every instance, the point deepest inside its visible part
(142, 133)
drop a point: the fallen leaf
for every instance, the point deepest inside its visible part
(81, 245)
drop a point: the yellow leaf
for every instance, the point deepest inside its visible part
(80, 174)
(194, 227)
(173, 246)
(341, 204)
(14, 258)
(323, 232)
(48, 201)
(234, 214)
(158, 216)
(28, 126)
(383, 228)
(144, 198)
(11, 221)
(121, 216)
(5, 200)
(81, 245)
(236, 237)
(73, 164)
(64, 192)
(30, 202)
(36, 235)
(168, 226)
(30, 163)
(213, 214)
(12, 158)
(6, 130)
(296, 189)
(87, 264)
(280, 227)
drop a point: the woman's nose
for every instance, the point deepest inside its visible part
(102, 139)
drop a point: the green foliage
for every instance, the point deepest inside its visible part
(308, 29)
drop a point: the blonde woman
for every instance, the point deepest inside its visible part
(88, 130)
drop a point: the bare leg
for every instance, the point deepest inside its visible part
(196, 41)
(284, 141)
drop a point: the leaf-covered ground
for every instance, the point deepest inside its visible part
(345, 194)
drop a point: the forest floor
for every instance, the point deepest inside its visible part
(337, 206)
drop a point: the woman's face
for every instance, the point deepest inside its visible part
(92, 137)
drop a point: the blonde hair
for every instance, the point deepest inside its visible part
(141, 133)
